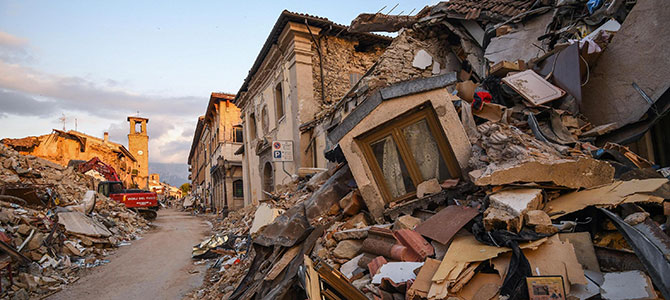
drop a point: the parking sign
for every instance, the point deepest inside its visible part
(282, 151)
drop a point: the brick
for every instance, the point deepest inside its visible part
(414, 241)
(375, 264)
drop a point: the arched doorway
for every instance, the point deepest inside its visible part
(268, 179)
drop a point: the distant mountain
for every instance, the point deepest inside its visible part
(173, 174)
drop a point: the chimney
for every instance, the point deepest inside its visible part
(106, 137)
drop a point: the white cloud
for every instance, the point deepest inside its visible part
(13, 48)
(25, 91)
(9, 41)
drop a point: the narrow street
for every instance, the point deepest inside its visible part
(158, 266)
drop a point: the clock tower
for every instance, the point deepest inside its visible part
(138, 145)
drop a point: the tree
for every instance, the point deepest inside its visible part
(185, 188)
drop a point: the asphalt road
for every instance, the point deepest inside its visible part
(158, 266)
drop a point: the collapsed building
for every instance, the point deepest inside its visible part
(306, 64)
(53, 225)
(63, 147)
(495, 149)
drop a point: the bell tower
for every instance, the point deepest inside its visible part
(138, 145)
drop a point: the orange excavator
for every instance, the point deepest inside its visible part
(142, 201)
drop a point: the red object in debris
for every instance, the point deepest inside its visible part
(5, 238)
(443, 225)
(479, 99)
(415, 242)
(136, 200)
(104, 169)
(375, 264)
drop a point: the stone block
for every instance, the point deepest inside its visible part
(348, 249)
(406, 222)
(430, 186)
(540, 222)
(517, 202)
(357, 221)
(495, 218)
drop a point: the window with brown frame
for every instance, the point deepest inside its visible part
(408, 151)
(237, 134)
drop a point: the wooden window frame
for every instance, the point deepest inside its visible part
(394, 129)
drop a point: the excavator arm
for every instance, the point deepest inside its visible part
(104, 169)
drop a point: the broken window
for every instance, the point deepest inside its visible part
(237, 134)
(238, 189)
(407, 151)
(279, 101)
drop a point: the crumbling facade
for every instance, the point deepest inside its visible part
(162, 189)
(476, 159)
(216, 170)
(198, 162)
(226, 166)
(61, 147)
(306, 64)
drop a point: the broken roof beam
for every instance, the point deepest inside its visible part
(380, 22)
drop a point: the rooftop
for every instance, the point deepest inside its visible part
(315, 21)
(476, 9)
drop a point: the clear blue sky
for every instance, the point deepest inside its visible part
(99, 61)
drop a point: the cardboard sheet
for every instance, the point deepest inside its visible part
(586, 253)
(466, 249)
(551, 258)
(422, 283)
(481, 287)
(609, 195)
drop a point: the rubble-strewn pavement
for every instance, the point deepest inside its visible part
(548, 205)
(53, 225)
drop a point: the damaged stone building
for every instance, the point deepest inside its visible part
(62, 147)
(216, 171)
(504, 149)
(197, 162)
(306, 64)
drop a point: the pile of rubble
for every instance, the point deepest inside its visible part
(577, 234)
(52, 225)
(549, 203)
(228, 250)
